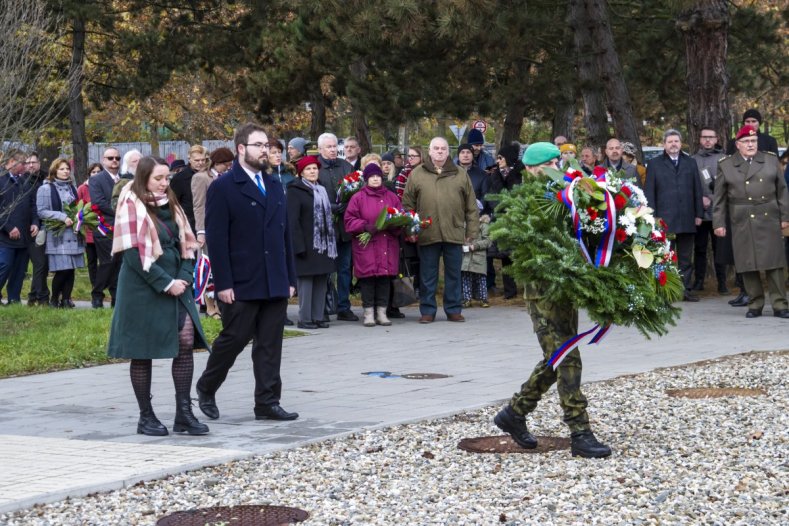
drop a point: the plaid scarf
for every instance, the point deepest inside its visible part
(135, 228)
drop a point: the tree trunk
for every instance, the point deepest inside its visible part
(617, 94)
(595, 115)
(155, 138)
(564, 114)
(318, 108)
(705, 28)
(361, 129)
(79, 140)
(513, 120)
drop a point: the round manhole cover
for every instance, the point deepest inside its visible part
(235, 516)
(424, 376)
(505, 444)
(714, 392)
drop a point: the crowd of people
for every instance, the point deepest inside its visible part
(269, 218)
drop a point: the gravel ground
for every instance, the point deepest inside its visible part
(676, 461)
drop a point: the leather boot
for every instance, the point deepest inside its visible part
(185, 421)
(369, 317)
(515, 425)
(381, 318)
(148, 424)
(584, 444)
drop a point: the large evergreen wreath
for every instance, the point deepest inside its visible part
(536, 223)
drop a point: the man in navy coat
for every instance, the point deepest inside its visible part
(254, 273)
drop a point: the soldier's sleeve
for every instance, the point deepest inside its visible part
(781, 193)
(720, 201)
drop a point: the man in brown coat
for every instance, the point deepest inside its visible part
(751, 190)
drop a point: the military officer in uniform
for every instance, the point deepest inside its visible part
(554, 324)
(751, 190)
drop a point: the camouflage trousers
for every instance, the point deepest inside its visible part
(554, 325)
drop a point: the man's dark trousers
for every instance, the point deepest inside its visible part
(39, 292)
(108, 269)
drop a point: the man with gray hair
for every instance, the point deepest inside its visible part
(332, 170)
(673, 190)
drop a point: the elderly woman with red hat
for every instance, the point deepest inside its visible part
(314, 241)
(375, 263)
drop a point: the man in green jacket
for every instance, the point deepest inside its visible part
(441, 190)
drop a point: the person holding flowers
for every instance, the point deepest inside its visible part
(64, 248)
(155, 315)
(377, 260)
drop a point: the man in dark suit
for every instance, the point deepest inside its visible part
(765, 143)
(673, 191)
(39, 291)
(254, 273)
(18, 224)
(100, 187)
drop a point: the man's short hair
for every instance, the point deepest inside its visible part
(241, 136)
(16, 154)
(710, 128)
(324, 137)
(351, 138)
(33, 154)
(671, 131)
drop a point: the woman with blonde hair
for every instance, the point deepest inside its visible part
(155, 314)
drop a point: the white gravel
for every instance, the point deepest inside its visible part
(675, 461)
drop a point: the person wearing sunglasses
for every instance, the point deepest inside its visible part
(100, 187)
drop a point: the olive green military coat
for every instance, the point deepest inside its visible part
(755, 198)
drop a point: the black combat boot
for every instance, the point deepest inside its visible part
(148, 424)
(584, 444)
(515, 425)
(185, 421)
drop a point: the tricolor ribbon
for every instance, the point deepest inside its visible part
(565, 348)
(80, 219)
(201, 274)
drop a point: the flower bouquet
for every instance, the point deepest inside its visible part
(84, 216)
(391, 217)
(591, 242)
(349, 185)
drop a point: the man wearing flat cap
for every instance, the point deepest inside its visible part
(753, 118)
(751, 191)
(554, 324)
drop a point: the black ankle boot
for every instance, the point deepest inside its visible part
(149, 425)
(584, 444)
(515, 425)
(185, 421)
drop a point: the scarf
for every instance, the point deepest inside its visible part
(323, 238)
(135, 228)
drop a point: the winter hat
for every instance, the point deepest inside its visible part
(304, 162)
(388, 156)
(745, 131)
(221, 155)
(371, 170)
(475, 137)
(510, 153)
(299, 143)
(465, 146)
(567, 147)
(540, 152)
(176, 164)
(628, 148)
(753, 113)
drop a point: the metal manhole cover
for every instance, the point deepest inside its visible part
(424, 376)
(505, 444)
(253, 515)
(714, 392)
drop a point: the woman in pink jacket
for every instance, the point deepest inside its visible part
(375, 263)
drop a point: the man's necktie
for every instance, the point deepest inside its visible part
(676, 162)
(260, 184)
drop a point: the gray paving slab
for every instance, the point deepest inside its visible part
(90, 414)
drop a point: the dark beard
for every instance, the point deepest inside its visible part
(256, 164)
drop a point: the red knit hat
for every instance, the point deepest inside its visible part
(305, 161)
(745, 131)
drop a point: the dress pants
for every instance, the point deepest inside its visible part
(453, 288)
(38, 282)
(344, 275)
(90, 253)
(13, 264)
(263, 322)
(108, 269)
(312, 297)
(683, 246)
(775, 284)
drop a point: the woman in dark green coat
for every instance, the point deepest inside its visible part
(155, 314)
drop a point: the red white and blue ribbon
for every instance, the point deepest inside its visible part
(201, 274)
(80, 219)
(570, 344)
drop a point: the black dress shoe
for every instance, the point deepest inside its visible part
(288, 321)
(321, 324)
(740, 301)
(723, 290)
(96, 304)
(584, 444)
(515, 425)
(207, 404)
(783, 313)
(306, 325)
(274, 412)
(394, 313)
(753, 313)
(347, 315)
(690, 297)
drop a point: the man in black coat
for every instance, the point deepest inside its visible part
(254, 273)
(39, 292)
(765, 143)
(673, 190)
(100, 187)
(181, 182)
(18, 224)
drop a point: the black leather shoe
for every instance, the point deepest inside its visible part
(306, 325)
(394, 313)
(207, 404)
(690, 297)
(274, 412)
(753, 313)
(515, 425)
(740, 301)
(347, 315)
(97, 304)
(288, 321)
(584, 444)
(723, 290)
(783, 313)
(321, 324)
(149, 425)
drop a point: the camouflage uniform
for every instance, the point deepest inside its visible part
(554, 324)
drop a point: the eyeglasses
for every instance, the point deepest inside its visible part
(413, 156)
(111, 158)
(709, 136)
(260, 145)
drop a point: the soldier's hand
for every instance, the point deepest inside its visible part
(720, 232)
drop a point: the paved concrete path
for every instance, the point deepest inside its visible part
(73, 432)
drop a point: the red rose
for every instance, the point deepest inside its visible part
(559, 196)
(592, 213)
(662, 278)
(95, 208)
(663, 225)
(657, 235)
(576, 174)
(598, 171)
(673, 256)
(620, 201)
(391, 210)
(627, 191)
(621, 235)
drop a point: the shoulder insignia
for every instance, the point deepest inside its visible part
(771, 153)
(723, 158)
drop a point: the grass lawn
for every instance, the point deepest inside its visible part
(41, 339)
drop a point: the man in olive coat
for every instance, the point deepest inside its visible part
(751, 190)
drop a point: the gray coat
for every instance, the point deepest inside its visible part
(675, 193)
(755, 198)
(68, 243)
(630, 171)
(707, 161)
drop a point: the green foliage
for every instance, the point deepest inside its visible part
(546, 257)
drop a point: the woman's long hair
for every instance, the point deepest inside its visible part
(139, 185)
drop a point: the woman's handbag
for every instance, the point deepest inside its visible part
(403, 293)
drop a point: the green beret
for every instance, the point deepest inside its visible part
(540, 152)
